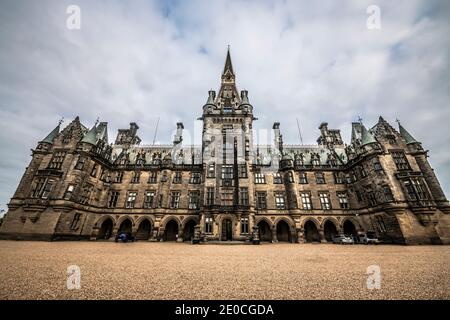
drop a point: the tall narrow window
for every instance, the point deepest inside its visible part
(243, 196)
(343, 200)
(227, 197)
(48, 187)
(381, 225)
(86, 194)
(175, 199)
(193, 199)
(388, 193)
(320, 178)
(325, 200)
(261, 200)
(210, 196)
(113, 197)
(153, 177)
(242, 171)
(75, 221)
(260, 178)
(178, 177)
(280, 200)
(136, 177)
(94, 170)
(211, 170)
(400, 160)
(119, 177)
(306, 200)
(303, 178)
(244, 225)
(277, 178)
(290, 177)
(338, 178)
(131, 199)
(376, 164)
(208, 225)
(196, 177)
(149, 200)
(69, 192)
(80, 163)
(57, 160)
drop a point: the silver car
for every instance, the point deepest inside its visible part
(343, 239)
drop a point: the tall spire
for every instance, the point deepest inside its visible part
(228, 64)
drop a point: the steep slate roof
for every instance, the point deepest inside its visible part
(405, 134)
(49, 138)
(367, 137)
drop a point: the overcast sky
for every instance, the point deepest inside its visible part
(140, 60)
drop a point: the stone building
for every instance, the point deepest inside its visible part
(79, 186)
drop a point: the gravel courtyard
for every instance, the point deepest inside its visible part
(142, 270)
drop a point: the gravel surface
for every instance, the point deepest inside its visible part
(144, 270)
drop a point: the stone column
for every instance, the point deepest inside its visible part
(322, 236)
(300, 236)
(274, 235)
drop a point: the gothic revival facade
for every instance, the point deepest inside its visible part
(79, 186)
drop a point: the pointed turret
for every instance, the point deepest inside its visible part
(91, 136)
(49, 138)
(405, 134)
(366, 136)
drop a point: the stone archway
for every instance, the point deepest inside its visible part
(144, 230)
(349, 228)
(329, 230)
(126, 226)
(283, 231)
(171, 231)
(265, 233)
(311, 232)
(188, 231)
(105, 230)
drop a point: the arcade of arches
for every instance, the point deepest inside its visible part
(280, 232)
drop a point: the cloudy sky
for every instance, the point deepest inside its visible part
(140, 60)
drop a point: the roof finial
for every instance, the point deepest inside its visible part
(360, 119)
(398, 121)
(97, 121)
(60, 121)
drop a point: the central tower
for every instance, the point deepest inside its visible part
(227, 155)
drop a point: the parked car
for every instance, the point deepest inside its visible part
(343, 239)
(124, 237)
(369, 238)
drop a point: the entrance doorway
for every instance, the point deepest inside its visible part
(227, 230)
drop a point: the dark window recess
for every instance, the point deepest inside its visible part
(136, 177)
(210, 196)
(119, 177)
(178, 177)
(153, 177)
(149, 200)
(57, 160)
(400, 160)
(196, 177)
(320, 178)
(113, 197)
(303, 178)
(261, 200)
(243, 196)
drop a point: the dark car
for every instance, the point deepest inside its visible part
(124, 237)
